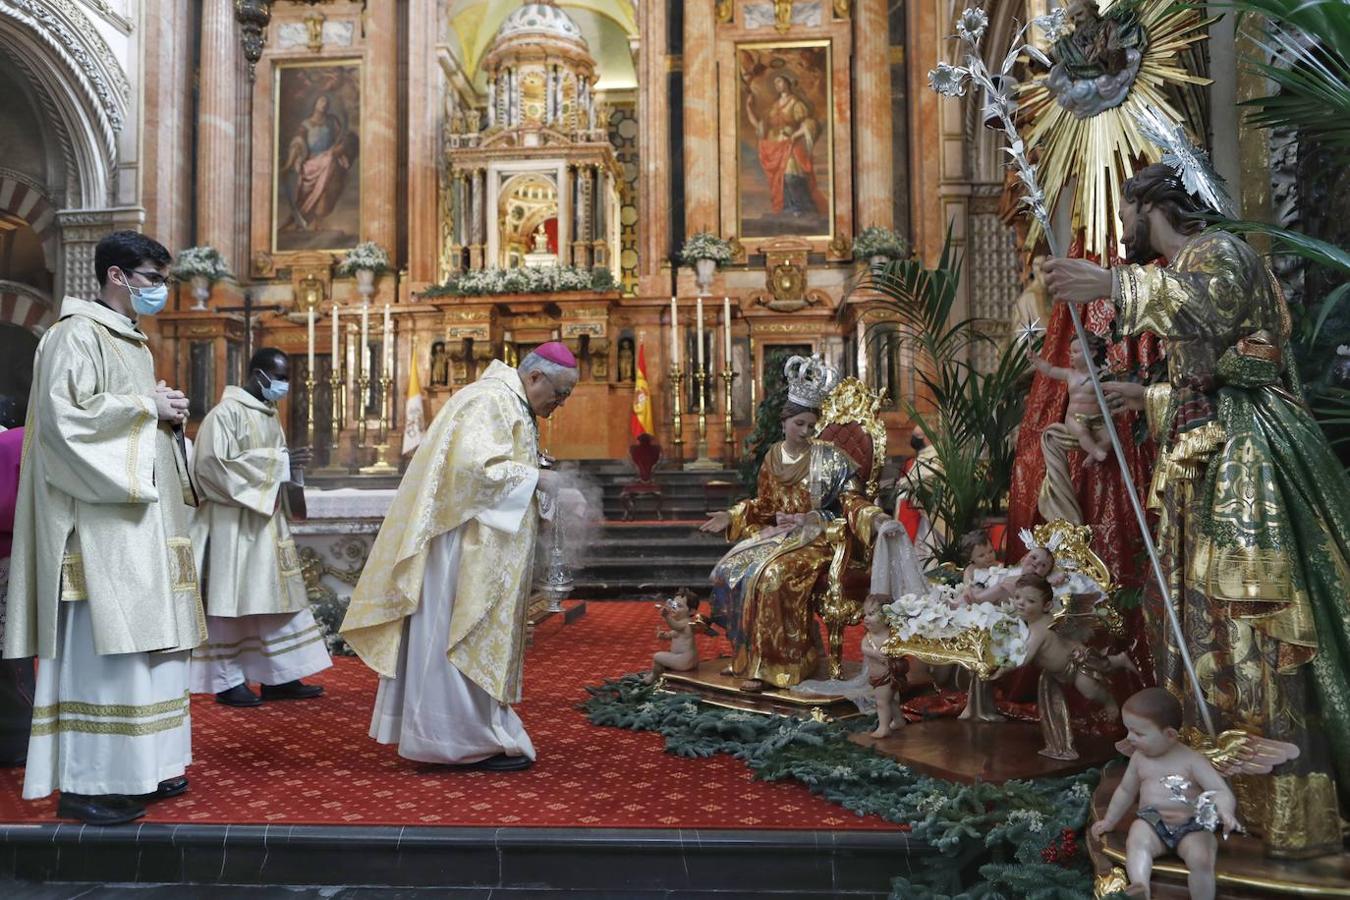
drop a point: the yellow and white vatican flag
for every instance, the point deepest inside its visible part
(414, 418)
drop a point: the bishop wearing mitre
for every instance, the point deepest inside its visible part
(439, 611)
(257, 608)
(103, 584)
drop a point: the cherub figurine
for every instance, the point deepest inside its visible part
(981, 559)
(1083, 417)
(681, 615)
(1182, 799)
(886, 674)
(1064, 661)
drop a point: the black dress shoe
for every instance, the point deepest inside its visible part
(239, 695)
(104, 809)
(501, 763)
(169, 788)
(291, 690)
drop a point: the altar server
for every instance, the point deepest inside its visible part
(258, 617)
(440, 608)
(103, 586)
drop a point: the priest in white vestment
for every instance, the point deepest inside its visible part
(257, 608)
(103, 585)
(439, 611)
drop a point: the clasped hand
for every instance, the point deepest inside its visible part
(170, 404)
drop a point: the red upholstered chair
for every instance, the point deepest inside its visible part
(851, 419)
(645, 454)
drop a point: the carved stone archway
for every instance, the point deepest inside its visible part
(82, 95)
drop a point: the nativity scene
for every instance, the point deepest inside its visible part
(822, 449)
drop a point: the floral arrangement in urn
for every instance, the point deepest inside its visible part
(878, 243)
(525, 280)
(203, 267)
(367, 256)
(200, 262)
(705, 245)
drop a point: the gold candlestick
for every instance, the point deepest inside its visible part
(309, 408)
(728, 376)
(381, 465)
(362, 394)
(677, 420)
(703, 463)
(336, 397)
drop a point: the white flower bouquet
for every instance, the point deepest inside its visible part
(878, 241)
(705, 245)
(368, 256)
(932, 626)
(526, 280)
(200, 262)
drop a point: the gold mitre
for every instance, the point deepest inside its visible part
(809, 380)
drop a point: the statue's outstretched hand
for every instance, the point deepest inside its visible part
(1076, 280)
(718, 521)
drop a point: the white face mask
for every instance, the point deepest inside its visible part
(273, 391)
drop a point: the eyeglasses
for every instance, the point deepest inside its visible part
(560, 396)
(155, 278)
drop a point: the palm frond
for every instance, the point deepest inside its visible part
(1285, 240)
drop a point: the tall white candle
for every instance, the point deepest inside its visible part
(309, 339)
(726, 333)
(334, 363)
(388, 365)
(699, 331)
(674, 335)
(364, 361)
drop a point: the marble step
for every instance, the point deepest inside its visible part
(653, 588)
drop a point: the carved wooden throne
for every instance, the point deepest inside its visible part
(850, 419)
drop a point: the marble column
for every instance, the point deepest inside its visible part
(873, 167)
(425, 88)
(167, 126)
(476, 228)
(217, 140)
(654, 174)
(700, 118)
(379, 214)
(566, 234)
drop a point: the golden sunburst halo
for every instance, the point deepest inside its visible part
(1100, 152)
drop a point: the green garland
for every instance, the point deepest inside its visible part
(1017, 839)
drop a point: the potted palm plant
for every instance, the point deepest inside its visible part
(968, 414)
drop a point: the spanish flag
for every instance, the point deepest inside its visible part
(414, 424)
(642, 398)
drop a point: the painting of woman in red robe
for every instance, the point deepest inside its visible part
(784, 163)
(318, 190)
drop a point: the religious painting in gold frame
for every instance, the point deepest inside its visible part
(784, 140)
(316, 180)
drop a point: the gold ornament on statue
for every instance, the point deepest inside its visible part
(1107, 64)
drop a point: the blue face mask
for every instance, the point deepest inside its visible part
(147, 301)
(273, 391)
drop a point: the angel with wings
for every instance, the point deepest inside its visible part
(1055, 644)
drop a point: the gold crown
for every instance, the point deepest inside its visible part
(809, 380)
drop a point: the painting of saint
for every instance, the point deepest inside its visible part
(784, 170)
(318, 183)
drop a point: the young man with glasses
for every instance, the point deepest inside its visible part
(103, 587)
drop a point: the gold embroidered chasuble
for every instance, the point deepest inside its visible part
(240, 465)
(102, 513)
(479, 454)
(1253, 528)
(762, 588)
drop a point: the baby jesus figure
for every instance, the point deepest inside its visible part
(1038, 561)
(886, 674)
(679, 613)
(1064, 660)
(1182, 800)
(1083, 417)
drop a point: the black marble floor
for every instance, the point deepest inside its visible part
(71, 891)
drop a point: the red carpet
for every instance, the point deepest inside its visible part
(312, 763)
